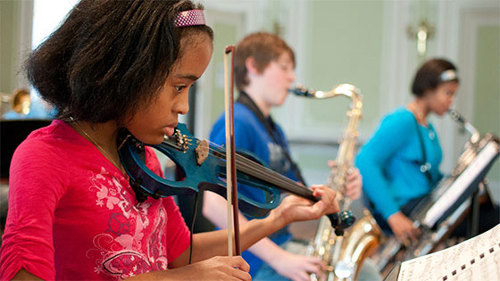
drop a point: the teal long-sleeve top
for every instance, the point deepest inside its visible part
(390, 162)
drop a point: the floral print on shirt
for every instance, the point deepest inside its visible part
(131, 244)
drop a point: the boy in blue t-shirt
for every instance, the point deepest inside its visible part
(264, 72)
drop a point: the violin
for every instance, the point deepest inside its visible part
(204, 167)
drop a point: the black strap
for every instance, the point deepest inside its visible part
(425, 166)
(140, 194)
(272, 131)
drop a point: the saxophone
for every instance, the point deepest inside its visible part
(344, 255)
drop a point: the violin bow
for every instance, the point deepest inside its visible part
(232, 191)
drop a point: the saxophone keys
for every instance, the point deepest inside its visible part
(329, 268)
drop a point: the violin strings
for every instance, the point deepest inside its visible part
(254, 169)
(254, 165)
(278, 180)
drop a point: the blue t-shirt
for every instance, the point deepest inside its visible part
(250, 134)
(390, 162)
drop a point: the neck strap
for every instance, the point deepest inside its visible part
(425, 166)
(270, 126)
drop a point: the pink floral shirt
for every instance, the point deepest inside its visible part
(73, 215)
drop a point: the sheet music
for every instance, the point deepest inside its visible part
(475, 259)
(460, 185)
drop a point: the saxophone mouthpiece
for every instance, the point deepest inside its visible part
(457, 117)
(302, 91)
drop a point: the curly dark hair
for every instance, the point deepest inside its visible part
(428, 75)
(109, 57)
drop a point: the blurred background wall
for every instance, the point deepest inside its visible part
(371, 44)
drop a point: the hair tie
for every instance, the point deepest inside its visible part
(448, 75)
(190, 18)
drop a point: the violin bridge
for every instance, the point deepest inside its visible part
(202, 152)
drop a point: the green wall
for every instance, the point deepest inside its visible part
(346, 47)
(487, 86)
(343, 45)
(224, 35)
(9, 36)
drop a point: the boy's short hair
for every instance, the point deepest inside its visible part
(263, 47)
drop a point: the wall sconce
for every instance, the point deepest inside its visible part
(424, 32)
(277, 28)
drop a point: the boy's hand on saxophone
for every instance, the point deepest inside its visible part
(354, 181)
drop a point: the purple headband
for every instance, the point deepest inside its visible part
(189, 18)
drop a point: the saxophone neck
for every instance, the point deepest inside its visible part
(347, 145)
(347, 90)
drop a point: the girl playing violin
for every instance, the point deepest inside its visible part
(72, 212)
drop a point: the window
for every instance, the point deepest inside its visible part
(47, 16)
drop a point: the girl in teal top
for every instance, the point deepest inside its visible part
(401, 160)
(390, 162)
